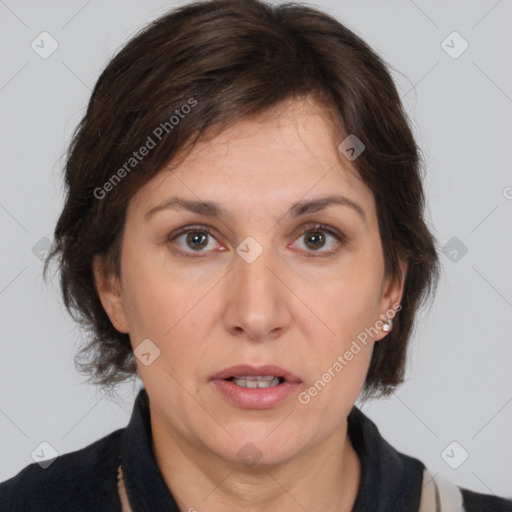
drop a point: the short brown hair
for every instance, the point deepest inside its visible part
(231, 59)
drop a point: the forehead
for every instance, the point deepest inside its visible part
(280, 156)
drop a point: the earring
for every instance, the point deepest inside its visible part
(387, 325)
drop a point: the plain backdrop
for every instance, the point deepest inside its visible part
(459, 379)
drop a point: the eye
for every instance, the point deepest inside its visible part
(316, 237)
(199, 239)
(192, 239)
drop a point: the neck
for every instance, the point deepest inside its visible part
(326, 477)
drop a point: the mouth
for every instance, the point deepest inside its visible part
(257, 376)
(250, 387)
(259, 381)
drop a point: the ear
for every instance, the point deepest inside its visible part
(109, 291)
(392, 291)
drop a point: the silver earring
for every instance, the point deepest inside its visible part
(387, 325)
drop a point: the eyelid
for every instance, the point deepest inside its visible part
(318, 226)
(190, 227)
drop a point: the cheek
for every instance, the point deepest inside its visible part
(338, 365)
(152, 298)
(349, 306)
(167, 308)
(154, 310)
(351, 303)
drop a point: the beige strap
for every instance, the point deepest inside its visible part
(439, 495)
(125, 504)
(428, 494)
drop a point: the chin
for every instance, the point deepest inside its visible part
(254, 447)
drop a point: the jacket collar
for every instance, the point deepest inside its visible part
(390, 480)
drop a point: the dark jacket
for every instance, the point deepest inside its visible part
(86, 480)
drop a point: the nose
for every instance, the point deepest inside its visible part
(257, 307)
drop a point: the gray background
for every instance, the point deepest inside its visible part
(459, 382)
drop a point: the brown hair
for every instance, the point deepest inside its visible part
(226, 60)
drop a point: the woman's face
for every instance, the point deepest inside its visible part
(264, 288)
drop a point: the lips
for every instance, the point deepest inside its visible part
(257, 371)
(233, 385)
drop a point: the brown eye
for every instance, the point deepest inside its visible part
(315, 239)
(193, 239)
(197, 239)
(321, 239)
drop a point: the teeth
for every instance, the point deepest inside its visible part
(265, 381)
(258, 377)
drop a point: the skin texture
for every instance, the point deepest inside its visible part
(296, 306)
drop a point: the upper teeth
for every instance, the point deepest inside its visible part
(260, 381)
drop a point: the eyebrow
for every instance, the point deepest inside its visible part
(212, 209)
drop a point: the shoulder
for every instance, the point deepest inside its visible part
(85, 479)
(438, 493)
(476, 502)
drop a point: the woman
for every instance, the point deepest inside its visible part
(244, 230)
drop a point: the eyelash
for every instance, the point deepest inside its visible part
(340, 237)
